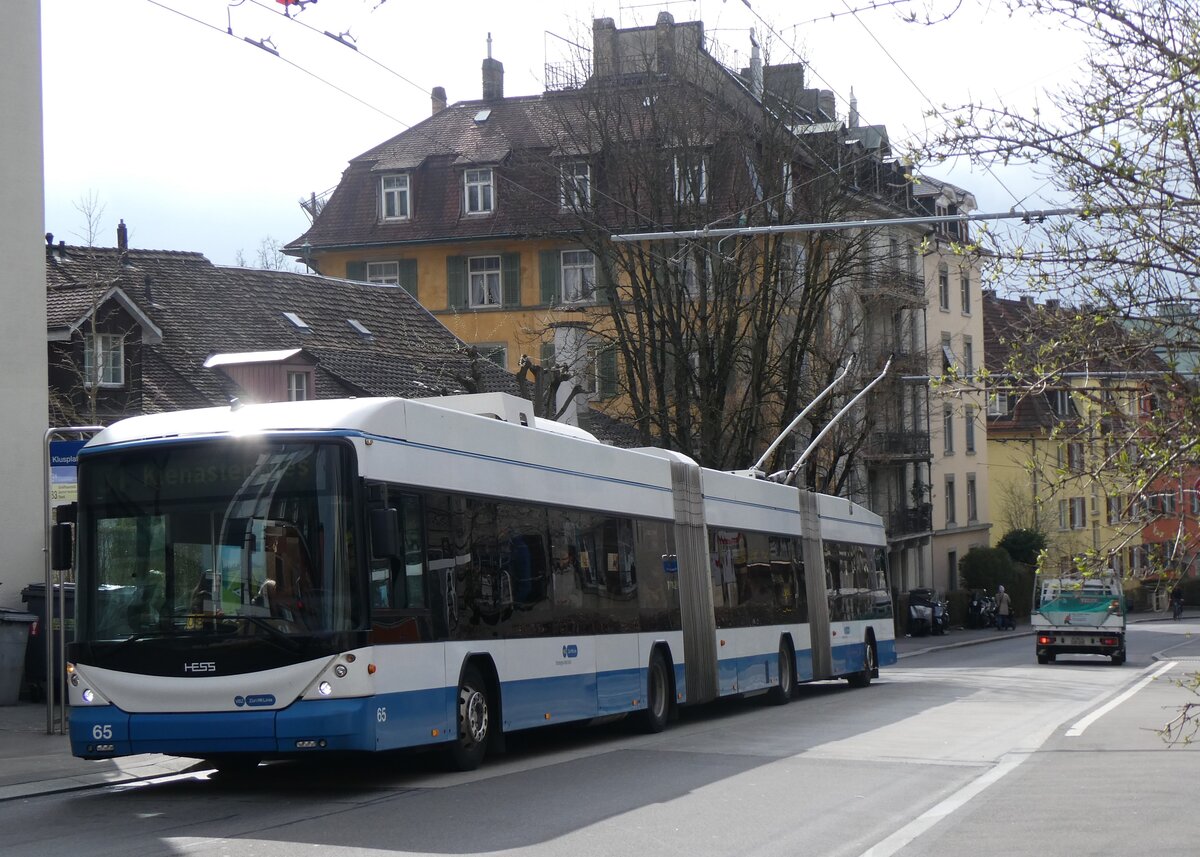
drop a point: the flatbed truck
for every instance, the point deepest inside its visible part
(1079, 616)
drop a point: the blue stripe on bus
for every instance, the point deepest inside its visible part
(414, 718)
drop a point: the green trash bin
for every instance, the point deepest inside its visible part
(14, 637)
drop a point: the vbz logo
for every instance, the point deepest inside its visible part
(200, 667)
(570, 651)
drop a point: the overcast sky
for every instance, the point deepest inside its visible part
(202, 141)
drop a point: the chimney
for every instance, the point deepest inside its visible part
(49, 239)
(853, 121)
(827, 104)
(756, 67)
(122, 237)
(493, 75)
(604, 47)
(439, 99)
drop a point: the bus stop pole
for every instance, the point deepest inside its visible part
(56, 680)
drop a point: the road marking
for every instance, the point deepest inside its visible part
(1079, 727)
(932, 816)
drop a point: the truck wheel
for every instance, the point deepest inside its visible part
(1043, 659)
(1118, 658)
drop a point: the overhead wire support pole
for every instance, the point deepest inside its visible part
(788, 228)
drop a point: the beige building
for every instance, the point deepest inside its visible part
(22, 289)
(958, 485)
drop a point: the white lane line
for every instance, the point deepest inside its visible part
(932, 816)
(1079, 727)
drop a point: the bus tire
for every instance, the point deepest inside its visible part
(474, 722)
(653, 718)
(863, 678)
(781, 694)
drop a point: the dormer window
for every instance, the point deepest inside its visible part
(104, 360)
(395, 196)
(477, 190)
(691, 179)
(297, 386)
(576, 186)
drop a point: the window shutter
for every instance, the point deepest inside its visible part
(456, 281)
(605, 294)
(510, 274)
(607, 372)
(356, 271)
(547, 355)
(551, 263)
(408, 276)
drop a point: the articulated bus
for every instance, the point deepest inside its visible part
(277, 580)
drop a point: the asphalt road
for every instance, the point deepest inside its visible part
(969, 751)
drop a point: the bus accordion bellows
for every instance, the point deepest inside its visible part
(284, 579)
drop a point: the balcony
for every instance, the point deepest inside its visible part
(907, 522)
(898, 444)
(895, 284)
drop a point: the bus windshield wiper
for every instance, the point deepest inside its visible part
(273, 632)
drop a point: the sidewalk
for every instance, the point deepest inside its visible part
(907, 647)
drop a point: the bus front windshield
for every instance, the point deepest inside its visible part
(223, 537)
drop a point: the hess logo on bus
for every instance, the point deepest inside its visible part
(200, 667)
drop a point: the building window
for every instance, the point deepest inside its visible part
(395, 197)
(383, 273)
(952, 565)
(484, 281)
(972, 499)
(576, 186)
(968, 357)
(104, 360)
(495, 353)
(297, 386)
(578, 275)
(951, 515)
(1062, 514)
(948, 429)
(944, 286)
(477, 185)
(691, 180)
(1075, 457)
(788, 193)
(966, 292)
(949, 362)
(969, 425)
(1116, 509)
(1060, 402)
(998, 404)
(602, 378)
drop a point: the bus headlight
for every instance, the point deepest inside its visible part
(324, 688)
(340, 671)
(88, 696)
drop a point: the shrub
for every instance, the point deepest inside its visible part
(1023, 545)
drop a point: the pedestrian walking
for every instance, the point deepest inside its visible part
(1004, 620)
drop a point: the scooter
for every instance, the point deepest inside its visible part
(981, 612)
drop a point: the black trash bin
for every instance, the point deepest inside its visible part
(34, 596)
(14, 636)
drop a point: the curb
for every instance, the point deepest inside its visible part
(978, 641)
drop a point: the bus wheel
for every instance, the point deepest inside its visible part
(862, 679)
(781, 694)
(658, 695)
(474, 722)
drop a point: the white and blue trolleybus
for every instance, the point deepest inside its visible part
(367, 574)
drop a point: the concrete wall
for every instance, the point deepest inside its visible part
(23, 298)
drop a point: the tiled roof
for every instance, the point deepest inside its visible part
(203, 309)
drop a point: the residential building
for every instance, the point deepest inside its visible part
(1063, 446)
(958, 485)
(497, 214)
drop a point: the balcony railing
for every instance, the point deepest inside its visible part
(896, 283)
(905, 444)
(918, 519)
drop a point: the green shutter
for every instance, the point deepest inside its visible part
(547, 355)
(605, 294)
(510, 276)
(356, 271)
(456, 281)
(551, 277)
(607, 372)
(408, 276)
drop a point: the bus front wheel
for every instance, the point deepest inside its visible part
(474, 722)
(862, 679)
(781, 694)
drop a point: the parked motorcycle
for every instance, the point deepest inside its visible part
(927, 614)
(981, 611)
